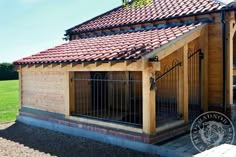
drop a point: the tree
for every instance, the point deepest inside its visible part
(8, 72)
(136, 3)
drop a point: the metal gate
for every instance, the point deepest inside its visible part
(109, 96)
(167, 89)
(167, 84)
(194, 83)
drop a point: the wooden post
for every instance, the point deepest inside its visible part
(230, 34)
(184, 83)
(204, 47)
(20, 86)
(72, 92)
(149, 103)
(67, 93)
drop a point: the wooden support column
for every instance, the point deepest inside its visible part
(230, 36)
(20, 86)
(149, 102)
(72, 92)
(179, 90)
(184, 83)
(204, 47)
(67, 93)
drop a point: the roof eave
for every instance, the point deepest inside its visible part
(175, 44)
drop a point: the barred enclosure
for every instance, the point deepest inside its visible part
(167, 86)
(109, 96)
(194, 81)
(167, 89)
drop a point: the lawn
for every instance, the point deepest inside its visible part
(9, 100)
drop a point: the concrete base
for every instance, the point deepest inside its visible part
(101, 137)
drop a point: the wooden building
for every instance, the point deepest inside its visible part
(141, 73)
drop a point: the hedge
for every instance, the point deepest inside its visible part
(8, 72)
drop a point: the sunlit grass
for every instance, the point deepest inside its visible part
(9, 100)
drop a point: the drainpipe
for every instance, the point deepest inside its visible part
(224, 60)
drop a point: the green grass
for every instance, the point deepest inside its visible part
(9, 100)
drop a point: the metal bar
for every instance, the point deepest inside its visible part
(78, 79)
(200, 78)
(194, 53)
(179, 64)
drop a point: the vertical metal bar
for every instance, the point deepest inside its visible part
(79, 93)
(105, 98)
(191, 85)
(130, 91)
(102, 94)
(93, 98)
(113, 100)
(200, 77)
(87, 99)
(140, 103)
(172, 93)
(134, 114)
(110, 96)
(122, 92)
(76, 93)
(97, 88)
(126, 94)
(117, 98)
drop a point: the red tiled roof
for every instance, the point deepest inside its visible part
(159, 9)
(125, 46)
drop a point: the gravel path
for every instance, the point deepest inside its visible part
(17, 139)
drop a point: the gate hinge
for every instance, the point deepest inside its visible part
(153, 83)
(201, 55)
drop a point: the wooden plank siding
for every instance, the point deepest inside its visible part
(43, 90)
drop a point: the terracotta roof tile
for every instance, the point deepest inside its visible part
(124, 46)
(157, 10)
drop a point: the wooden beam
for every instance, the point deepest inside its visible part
(119, 66)
(229, 63)
(127, 63)
(63, 65)
(180, 89)
(184, 83)
(149, 104)
(176, 44)
(98, 64)
(46, 65)
(204, 47)
(72, 92)
(30, 65)
(84, 64)
(38, 65)
(112, 63)
(67, 93)
(20, 86)
(54, 65)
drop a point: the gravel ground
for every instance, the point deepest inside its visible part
(17, 139)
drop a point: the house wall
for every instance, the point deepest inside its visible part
(43, 90)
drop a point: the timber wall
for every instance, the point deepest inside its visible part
(43, 90)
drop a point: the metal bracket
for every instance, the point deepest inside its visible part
(153, 83)
(201, 55)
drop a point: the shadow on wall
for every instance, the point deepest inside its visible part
(62, 145)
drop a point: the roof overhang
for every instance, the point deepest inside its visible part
(175, 44)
